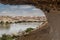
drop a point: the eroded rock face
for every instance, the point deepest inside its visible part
(53, 19)
(16, 1)
(29, 1)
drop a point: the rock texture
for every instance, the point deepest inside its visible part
(52, 16)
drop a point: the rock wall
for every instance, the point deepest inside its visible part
(52, 16)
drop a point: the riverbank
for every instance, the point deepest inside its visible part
(38, 34)
(19, 19)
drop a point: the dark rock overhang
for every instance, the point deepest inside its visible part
(18, 2)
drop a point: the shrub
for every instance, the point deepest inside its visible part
(1, 22)
(28, 29)
(7, 22)
(6, 37)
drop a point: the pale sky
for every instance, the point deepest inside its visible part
(20, 10)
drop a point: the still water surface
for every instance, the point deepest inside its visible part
(19, 27)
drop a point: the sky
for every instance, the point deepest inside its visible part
(20, 10)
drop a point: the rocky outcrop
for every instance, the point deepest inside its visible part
(27, 1)
(16, 1)
(53, 19)
(22, 19)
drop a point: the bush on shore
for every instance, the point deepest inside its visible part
(28, 29)
(6, 37)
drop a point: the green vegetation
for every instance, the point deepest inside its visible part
(6, 37)
(18, 22)
(28, 29)
(7, 22)
(1, 22)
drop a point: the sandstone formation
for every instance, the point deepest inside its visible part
(53, 19)
(11, 19)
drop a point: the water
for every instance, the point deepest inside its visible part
(19, 27)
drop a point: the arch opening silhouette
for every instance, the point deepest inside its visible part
(52, 14)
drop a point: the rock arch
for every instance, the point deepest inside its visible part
(53, 16)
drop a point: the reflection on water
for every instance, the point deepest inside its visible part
(19, 27)
(4, 26)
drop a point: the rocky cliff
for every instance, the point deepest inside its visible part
(27, 1)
